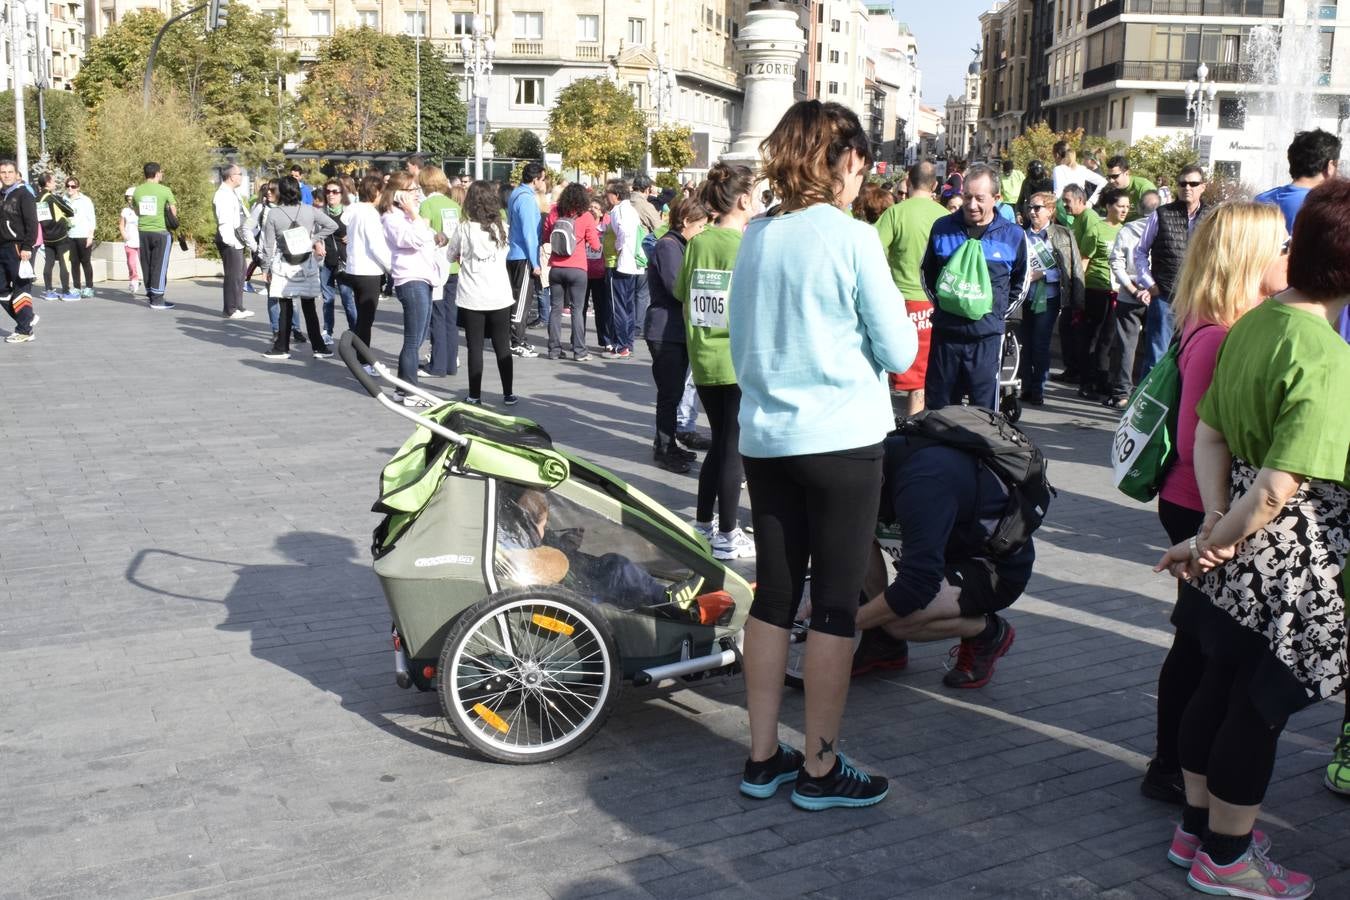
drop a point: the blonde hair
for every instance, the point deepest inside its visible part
(433, 181)
(1045, 198)
(1226, 258)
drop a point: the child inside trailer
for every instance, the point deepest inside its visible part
(539, 542)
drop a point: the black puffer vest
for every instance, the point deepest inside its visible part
(1169, 246)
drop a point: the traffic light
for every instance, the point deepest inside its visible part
(217, 14)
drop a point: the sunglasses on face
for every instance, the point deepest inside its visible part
(1191, 184)
(1036, 208)
(333, 191)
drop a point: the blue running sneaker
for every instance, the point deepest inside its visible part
(761, 779)
(841, 786)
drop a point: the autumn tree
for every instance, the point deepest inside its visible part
(227, 78)
(1038, 142)
(1156, 157)
(597, 127)
(517, 143)
(672, 147)
(65, 124)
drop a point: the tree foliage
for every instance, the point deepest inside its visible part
(1038, 142)
(228, 78)
(116, 144)
(597, 127)
(361, 95)
(517, 143)
(65, 124)
(672, 147)
(1154, 157)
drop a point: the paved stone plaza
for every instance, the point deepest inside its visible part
(197, 695)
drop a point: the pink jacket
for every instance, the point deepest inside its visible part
(413, 245)
(1199, 351)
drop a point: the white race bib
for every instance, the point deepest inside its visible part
(44, 213)
(449, 221)
(148, 206)
(297, 241)
(708, 293)
(1140, 421)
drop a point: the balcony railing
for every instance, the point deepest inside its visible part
(1104, 13)
(588, 51)
(527, 48)
(1150, 70)
(1265, 8)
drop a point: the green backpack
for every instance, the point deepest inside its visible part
(963, 287)
(1145, 444)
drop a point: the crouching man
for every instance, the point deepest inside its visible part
(943, 503)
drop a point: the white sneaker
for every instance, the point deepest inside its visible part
(17, 338)
(238, 314)
(705, 530)
(245, 313)
(732, 545)
(369, 369)
(413, 401)
(524, 351)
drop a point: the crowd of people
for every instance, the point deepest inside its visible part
(792, 315)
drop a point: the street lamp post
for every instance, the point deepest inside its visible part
(478, 51)
(417, 56)
(1200, 97)
(661, 87)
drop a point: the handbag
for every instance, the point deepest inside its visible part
(1145, 444)
(963, 287)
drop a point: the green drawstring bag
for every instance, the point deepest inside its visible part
(963, 287)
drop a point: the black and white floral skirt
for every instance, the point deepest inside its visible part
(1285, 584)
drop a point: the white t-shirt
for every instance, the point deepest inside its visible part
(132, 221)
(1082, 176)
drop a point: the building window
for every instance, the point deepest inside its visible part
(721, 23)
(528, 26)
(735, 30)
(834, 25)
(834, 56)
(527, 91)
(1172, 112)
(368, 18)
(636, 89)
(588, 28)
(414, 22)
(637, 31)
(833, 87)
(461, 24)
(320, 22)
(1232, 113)
(708, 16)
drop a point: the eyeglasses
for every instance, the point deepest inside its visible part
(1190, 184)
(1114, 175)
(333, 191)
(71, 184)
(1035, 208)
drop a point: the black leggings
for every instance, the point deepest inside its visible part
(819, 509)
(81, 262)
(366, 291)
(719, 479)
(670, 365)
(1185, 663)
(55, 253)
(496, 324)
(1223, 735)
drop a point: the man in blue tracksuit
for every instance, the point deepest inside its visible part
(963, 356)
(943, 502)
(522, 257)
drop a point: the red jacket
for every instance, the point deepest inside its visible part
(587, 236)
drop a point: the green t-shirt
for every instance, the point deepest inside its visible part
(704, 287)
(904, 229)
(1095, 237)
(1279, 392)
(1010, 186)
(1139, 186)
(443, 215)
(150, 199)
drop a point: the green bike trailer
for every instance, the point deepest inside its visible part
(526, 584)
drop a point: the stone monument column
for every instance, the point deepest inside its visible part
(770, 45)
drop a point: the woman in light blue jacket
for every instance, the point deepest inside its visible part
(816, 323)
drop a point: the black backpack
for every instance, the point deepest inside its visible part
(1005, 450)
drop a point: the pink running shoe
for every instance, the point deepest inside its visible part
(1252, 875)
(1185, 844)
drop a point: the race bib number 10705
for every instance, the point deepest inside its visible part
(708, 293)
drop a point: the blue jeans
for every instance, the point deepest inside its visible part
(1037, 330)
(959, 369)
(331, 288)
(445, 331)
(274, 313)
(415, 296)
(599, 300)
(623, 293)
(1157, 334)
(641, 301)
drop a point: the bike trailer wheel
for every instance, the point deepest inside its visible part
(529, 675)
(795, 674)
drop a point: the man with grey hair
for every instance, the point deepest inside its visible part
(963, 356)
(230, 214)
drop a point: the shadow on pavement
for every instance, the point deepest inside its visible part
(312, 617)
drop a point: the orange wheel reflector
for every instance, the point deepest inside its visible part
(548, 623)
(428, 672)
(713, 606)
(491, 718)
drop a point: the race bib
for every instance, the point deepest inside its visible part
(44, 213)
(449, 221)
(148, 206)
(708, 292)
(1138, 424)
(888, 539)
(296, 241)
